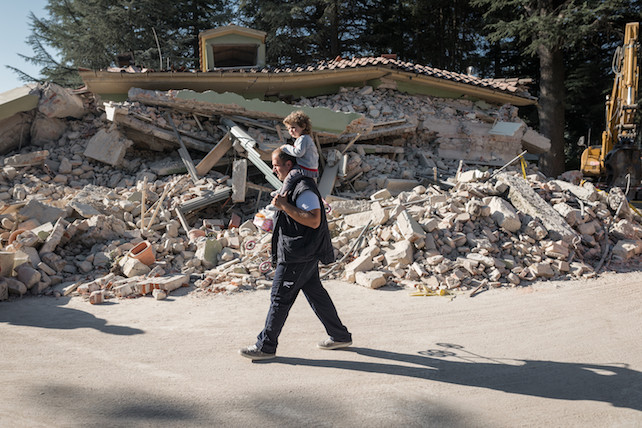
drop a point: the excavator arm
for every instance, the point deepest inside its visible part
(618, 158)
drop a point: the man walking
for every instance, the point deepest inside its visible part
(299, 241)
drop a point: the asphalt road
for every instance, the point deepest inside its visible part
(564, 354)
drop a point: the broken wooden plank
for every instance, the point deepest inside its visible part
(187, 160)
(167, 137)
(219, 150)
(182, 219)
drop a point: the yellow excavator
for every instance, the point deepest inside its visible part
(617, 160)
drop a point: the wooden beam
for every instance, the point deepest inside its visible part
(219, 150)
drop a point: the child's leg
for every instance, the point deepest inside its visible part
(289, 179)
(312, 174)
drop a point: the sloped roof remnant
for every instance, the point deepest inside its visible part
(315, 79)
(513, 85)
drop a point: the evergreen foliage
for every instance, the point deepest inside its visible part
(91, 33)
(566, 45)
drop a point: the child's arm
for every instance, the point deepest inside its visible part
(297, 150)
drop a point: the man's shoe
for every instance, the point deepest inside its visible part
(331, 344)
(255, 354)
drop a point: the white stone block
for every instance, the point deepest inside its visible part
(371, 279)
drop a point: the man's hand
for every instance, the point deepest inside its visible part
(307, 218)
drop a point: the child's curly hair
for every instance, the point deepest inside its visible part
(299, 118)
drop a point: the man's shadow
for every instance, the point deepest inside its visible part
(615, 384)
(51, 314)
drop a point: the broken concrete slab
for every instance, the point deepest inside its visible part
(524, 198)
(56, 101)
(17, 100)
(41, 212)
(535, 142)
(108, 146)
(27, 159)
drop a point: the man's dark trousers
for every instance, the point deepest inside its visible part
(289, 278)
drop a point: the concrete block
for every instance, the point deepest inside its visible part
(207, 251)
(360, 264)
(572, 215)
(377, 214)
(159, 294)
(400, 255)
(627, 248)
(542, 270)
(239, 180)
(371, 279)
(30, 254)
(84, 210)
(380, 195)
(429, 224)
(586, 192)
(472, 176)
(108, 147)
(409, 228)
(626, 229)
(15, 287)
(525, 199)
(171, 282)
(504, 214)
(558, 250)
(54, 237)
(133, 267)
(27, 275)
(508, 129)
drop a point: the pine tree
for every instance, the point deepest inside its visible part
(306, 30)
(91, 33)
(549, 29)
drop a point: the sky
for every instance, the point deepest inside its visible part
(14, 30)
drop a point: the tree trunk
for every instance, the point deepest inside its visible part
(551, 108)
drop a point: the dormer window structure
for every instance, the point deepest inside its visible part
(231, 46)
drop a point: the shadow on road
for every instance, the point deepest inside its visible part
(53, 315)
(615, 384)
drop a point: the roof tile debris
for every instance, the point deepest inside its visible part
(516, 86)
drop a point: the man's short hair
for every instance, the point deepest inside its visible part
(284, 157)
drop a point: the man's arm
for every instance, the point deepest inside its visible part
(310, 218)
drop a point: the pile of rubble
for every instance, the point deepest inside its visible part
(100, 208)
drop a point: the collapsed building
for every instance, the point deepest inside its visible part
(168, 188)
